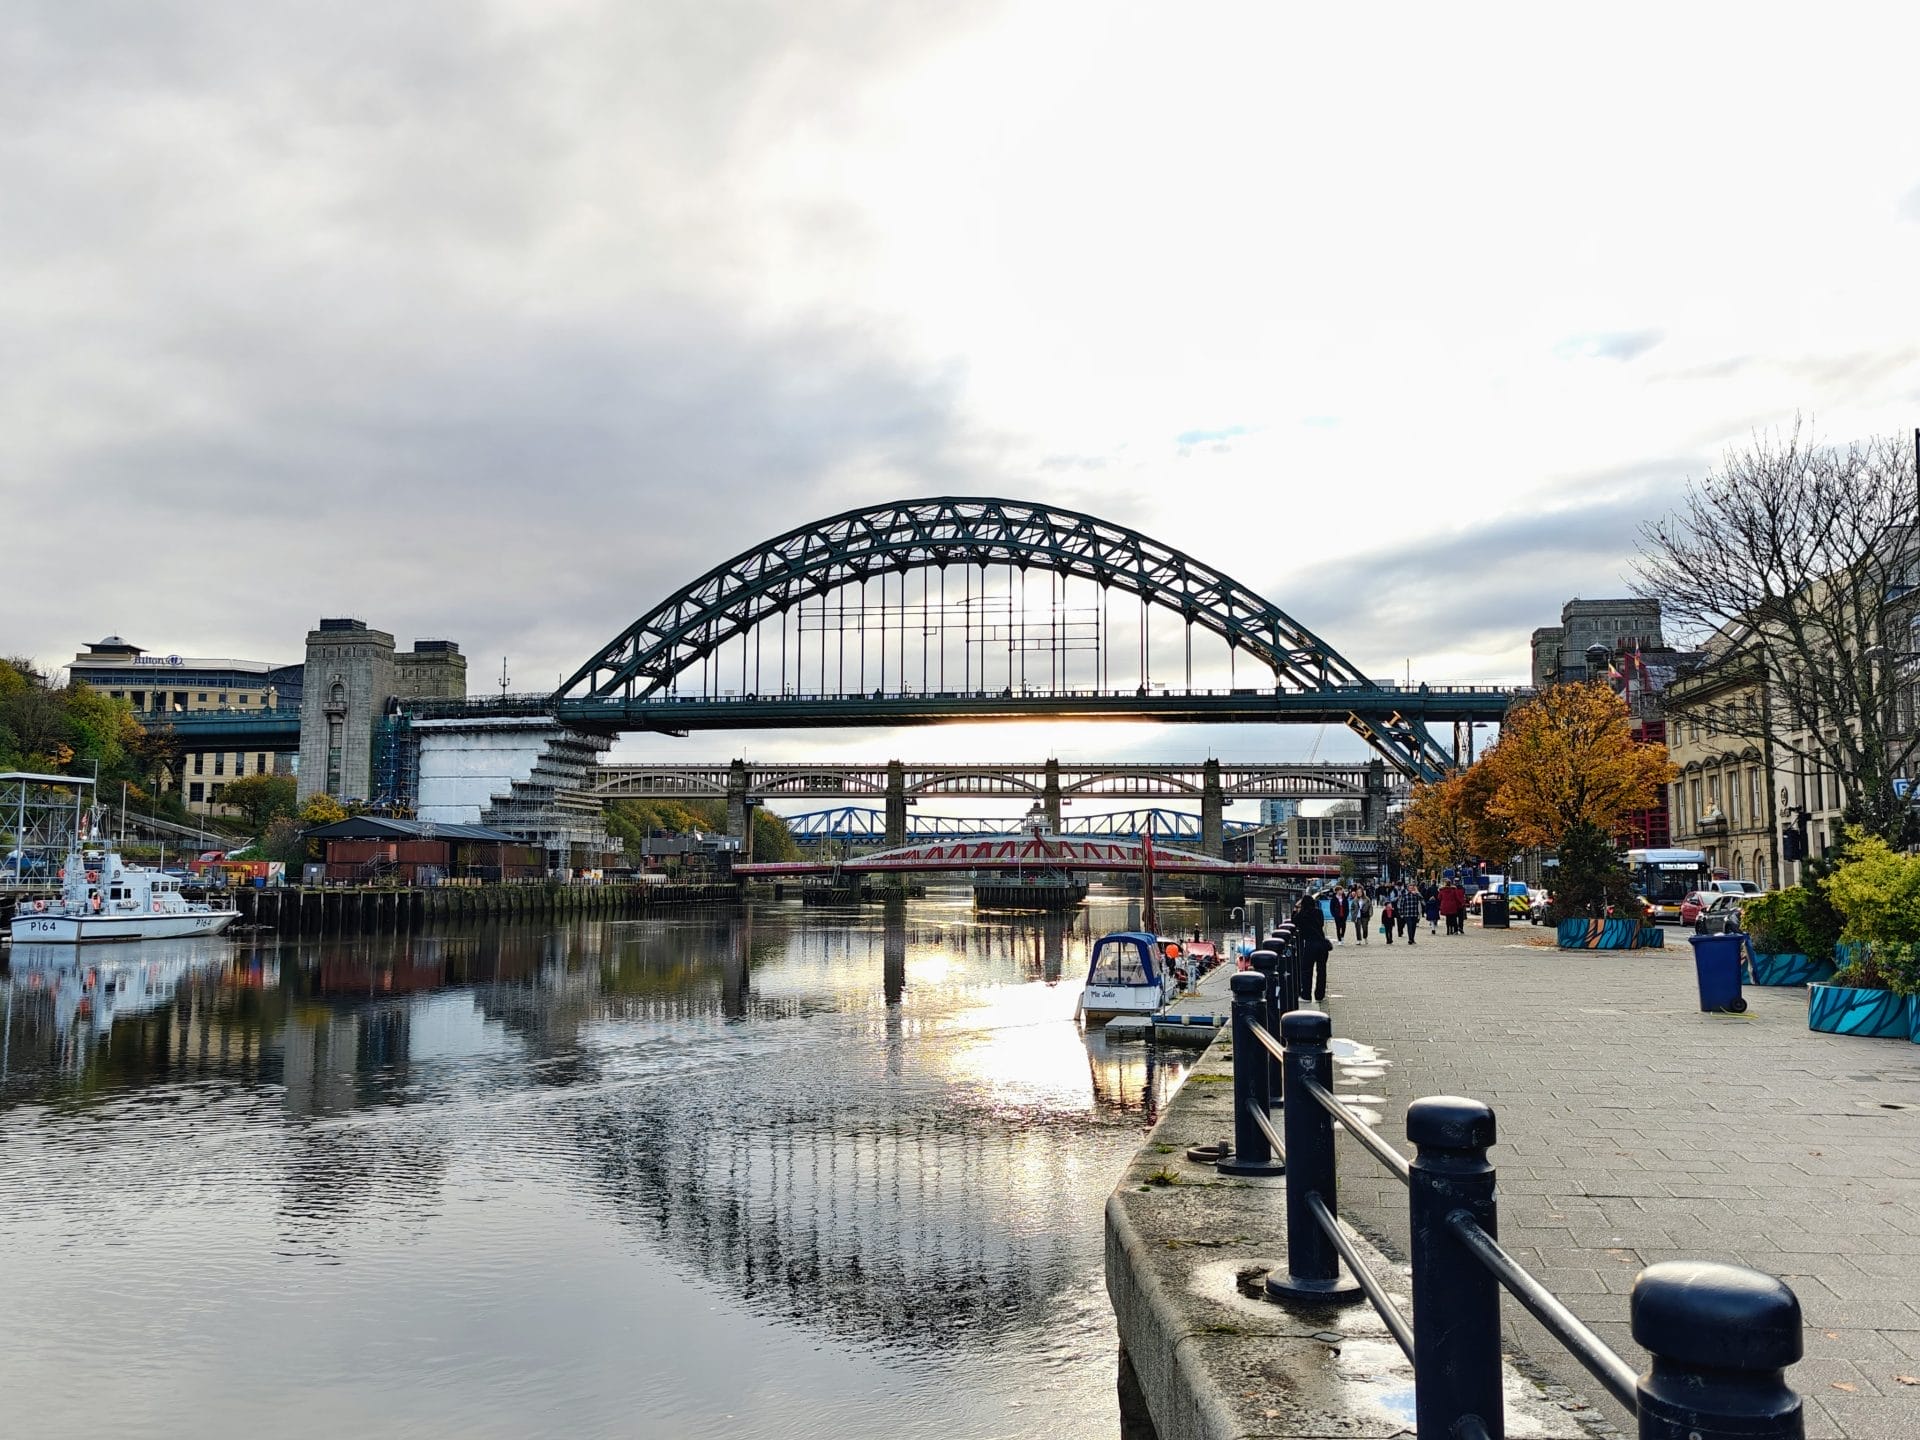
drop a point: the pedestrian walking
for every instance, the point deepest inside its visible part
(1362, 913)
(1453, 907)
(1430, 904)
(1340, 912)
(1389, 921)
(1407, 908)
(1312, 947)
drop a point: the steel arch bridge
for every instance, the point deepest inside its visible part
(867, 824)
(634, 682)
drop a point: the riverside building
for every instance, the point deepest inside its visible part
(161, 684)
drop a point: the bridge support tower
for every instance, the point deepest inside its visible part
(1213, 812)
(1373, 805)
(1050, 797)
(739, 808)
(896, 804)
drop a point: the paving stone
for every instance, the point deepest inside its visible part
(1634, 1127)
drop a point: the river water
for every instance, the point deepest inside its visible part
(760, 1172)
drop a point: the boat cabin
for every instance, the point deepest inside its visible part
(1127, 975)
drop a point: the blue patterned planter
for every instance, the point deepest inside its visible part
(1610, 935)
(1786, 969)
(1844, 1010)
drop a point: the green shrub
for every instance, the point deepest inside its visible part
(1798, 921)
(1877, 893)
(1865, 973)
(1900, 966)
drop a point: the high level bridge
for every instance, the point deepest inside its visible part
(1051, 784)
(867, 825)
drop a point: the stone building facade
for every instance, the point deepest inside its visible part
(353, 676)
(1622, 626)
(1723, 802)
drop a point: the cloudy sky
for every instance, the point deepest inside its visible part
(500, 321)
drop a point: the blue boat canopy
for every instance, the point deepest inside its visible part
(1131, 957)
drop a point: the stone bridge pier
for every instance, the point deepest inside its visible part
(1213, 811)
(1050, 802)
(896, 804)
(740, 808)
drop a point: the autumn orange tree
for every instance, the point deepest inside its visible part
(1434, 829)
(1568, 773)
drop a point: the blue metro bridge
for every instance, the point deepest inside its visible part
(948, 609)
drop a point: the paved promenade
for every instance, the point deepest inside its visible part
(1633, 1128)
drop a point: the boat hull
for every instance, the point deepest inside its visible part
(1103, 1002)
(42, 929)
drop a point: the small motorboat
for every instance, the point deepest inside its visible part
(1128, 974)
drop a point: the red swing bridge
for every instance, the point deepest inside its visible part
(1032, 852)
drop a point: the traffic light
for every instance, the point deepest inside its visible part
(1793, 843)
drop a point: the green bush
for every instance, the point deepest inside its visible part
(1798, 921)
(1868, 972)
(1877, 893)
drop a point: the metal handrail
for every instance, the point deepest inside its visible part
(1369, 1138)
(1581, 1343)
(1396, 1323)
(1265, 1124)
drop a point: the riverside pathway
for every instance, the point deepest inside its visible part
(1633, 1128)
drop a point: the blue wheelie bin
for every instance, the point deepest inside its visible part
(1716, 964)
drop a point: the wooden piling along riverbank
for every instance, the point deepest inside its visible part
(353, 910)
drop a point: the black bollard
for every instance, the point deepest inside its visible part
(1287, 945)
(1721, 1338)
(1456, 1299)
(1273, 969)
(1252, 1151)
(1313, 1265)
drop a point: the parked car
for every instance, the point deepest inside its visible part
(1690, 908)
(1734, 887)
(1537, 904)
(1721, 914)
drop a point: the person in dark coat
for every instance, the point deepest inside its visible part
(1337, 902)
(1407, 910)
(1312, 946)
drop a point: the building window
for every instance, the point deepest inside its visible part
(1733, 802)
(199, 763)
(1693, 789)
(116, 695)
(220, 765)
(203, 697)
(196, 792)
(214, 794)
(260, 764)
(223, 697)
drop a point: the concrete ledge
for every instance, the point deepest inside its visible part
(1215, 1363)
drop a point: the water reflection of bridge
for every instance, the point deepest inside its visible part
(811, 1138)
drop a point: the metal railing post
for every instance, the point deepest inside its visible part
(1273, 969)
(1313, 1265)
(1456, 1299)
(1252, 1154)
(1721, 1338)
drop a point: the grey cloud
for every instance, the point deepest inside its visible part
(1480, 587)
(426, 314)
